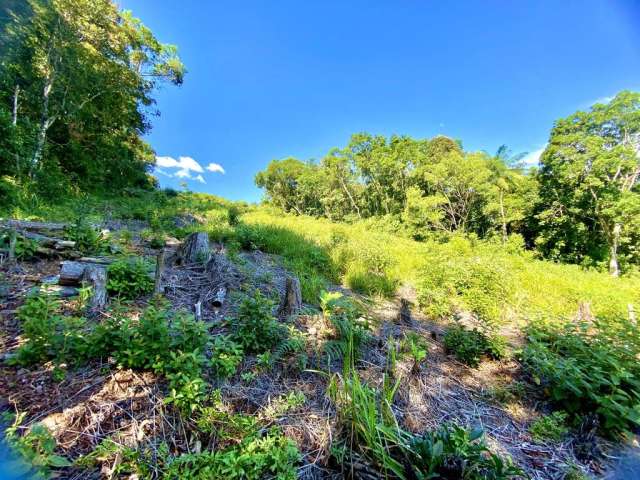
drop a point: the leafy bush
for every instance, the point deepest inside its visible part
(48, 334)
(89, 240)
(470, 345)
(183, 370)
(129, 279)
(37, 447)
(589, 368)
(25, 247)
(226, 355)
(549, 427)
(455, 452)
(255, 458)
(256, 329)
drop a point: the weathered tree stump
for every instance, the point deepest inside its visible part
(292, 299)
(404, 315)
(157, 286)
(96, 276)
(195, 249)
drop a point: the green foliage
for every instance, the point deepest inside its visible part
(89, 239)
(416, 347)
(470, 345)
(549, 427)
(129, 279)
(183, 371)
(589, 200)
(589, 368)
(351, 329)
(255, 327)
(48, 334)
(255, 458)
(25, 248)
(82, 106)
(472, 284)
(226, 355)
(292, 347)
(36, 446)
(455, 452)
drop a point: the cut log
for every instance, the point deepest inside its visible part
(71, 273)
(195, 249)
(98, 260)
(59, 290)
(95, 276)
(218, 299)
(292, 300)
(35, 226)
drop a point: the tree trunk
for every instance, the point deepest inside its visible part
(16, 94)
(504, 222)
(614, 268)
(45, 123)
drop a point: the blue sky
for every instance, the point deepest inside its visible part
(270, 79)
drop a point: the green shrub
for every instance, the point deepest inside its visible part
(89, 240)
(226, 355)
(549, 427)
(36, 447)
(129, 279)
(588, 368)
(255, 327)
(25, 247)
(49, 335)
(455, 452)
(470, 345)
(183, 371)
(255, 458)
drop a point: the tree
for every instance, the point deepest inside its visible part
(78, 76)
(589, 176)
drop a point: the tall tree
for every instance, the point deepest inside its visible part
(80, 75)
(589, 183)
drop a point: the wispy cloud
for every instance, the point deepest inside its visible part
(215, 167)
(533, 158)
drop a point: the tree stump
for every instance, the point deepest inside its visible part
(96, 276)
(194, 249)
(404, 315)
(292, 299)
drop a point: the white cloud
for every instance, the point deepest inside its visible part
(215, 167)
(185, 167)
(533, 158)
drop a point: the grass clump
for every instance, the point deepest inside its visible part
(129, 279)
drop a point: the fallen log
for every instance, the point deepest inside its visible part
(96, 277)
(97, 260)
(35, 226)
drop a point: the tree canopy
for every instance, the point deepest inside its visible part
(76, 85)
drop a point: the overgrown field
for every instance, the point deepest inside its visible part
(475, 331)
